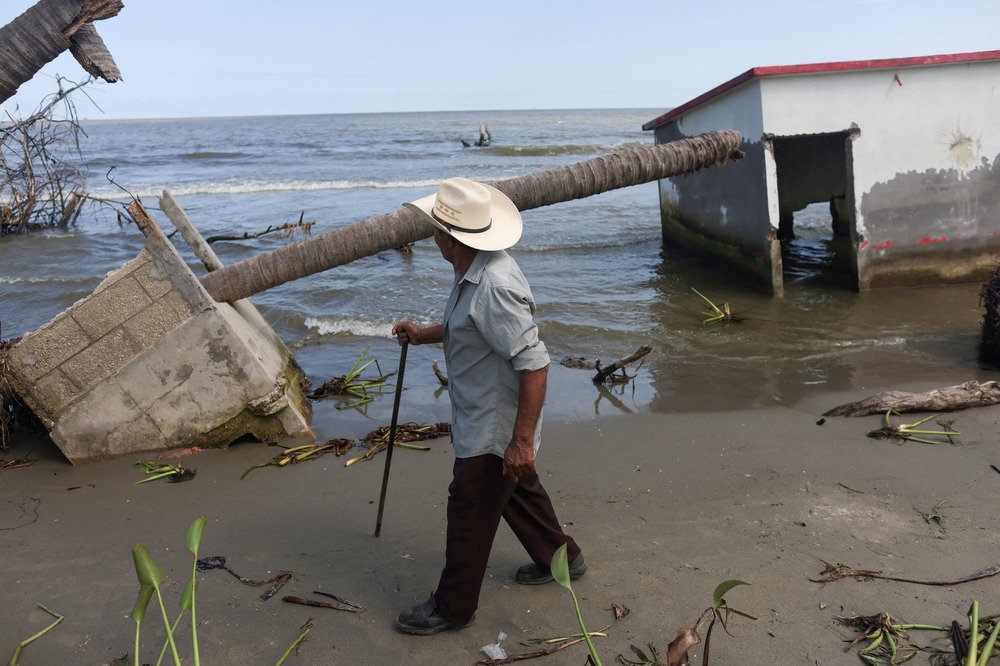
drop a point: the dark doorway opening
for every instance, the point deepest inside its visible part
(814, 225)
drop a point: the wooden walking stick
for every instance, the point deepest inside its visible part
(392, 436)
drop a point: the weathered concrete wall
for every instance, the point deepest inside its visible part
(725, 212)
(925, 164)
(149, 362)
(922, 162)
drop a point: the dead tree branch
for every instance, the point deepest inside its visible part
(603, 374)
(40, 183)
(287, 229)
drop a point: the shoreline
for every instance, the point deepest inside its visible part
(665, 506)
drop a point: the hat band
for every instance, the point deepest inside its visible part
(454, 227)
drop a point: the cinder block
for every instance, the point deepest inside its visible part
(102, 359)
(41, 351)
(111, 307)
(55, 391)
(153, 323)
(156, 282)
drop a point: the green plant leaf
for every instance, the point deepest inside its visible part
(146, 569)
(741, 613)
(559, 566)
(194, 533)
(721, 589)
(141, 603)
(187, 599)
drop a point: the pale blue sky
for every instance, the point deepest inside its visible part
(182, 58)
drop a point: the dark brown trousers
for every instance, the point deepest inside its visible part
(479, 495)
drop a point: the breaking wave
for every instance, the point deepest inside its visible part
(261, 186)
(566, 149)
(368, 328)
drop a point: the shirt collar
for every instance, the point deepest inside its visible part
(478, 266)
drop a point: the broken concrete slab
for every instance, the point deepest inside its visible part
(150, 361)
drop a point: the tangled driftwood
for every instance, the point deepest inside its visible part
(607, 374)
(952, 398)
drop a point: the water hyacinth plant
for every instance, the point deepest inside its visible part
(352, 385)
(150, 576)
(909, 432)
(560, 572)
(30, 639)
(715, 314)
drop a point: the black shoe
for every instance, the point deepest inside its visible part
(532, 574)
(423, 620)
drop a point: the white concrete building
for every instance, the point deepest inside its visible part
(905, 152)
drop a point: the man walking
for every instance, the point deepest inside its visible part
(497, 373)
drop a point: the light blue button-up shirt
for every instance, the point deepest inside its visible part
(489, 337)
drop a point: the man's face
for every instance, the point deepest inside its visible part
(445, 244)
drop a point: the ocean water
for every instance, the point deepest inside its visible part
(604, 282)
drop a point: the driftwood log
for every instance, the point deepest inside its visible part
(604, 373)
(952, 398)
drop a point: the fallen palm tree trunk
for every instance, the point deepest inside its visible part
(952, 398)
(385, 232)
(50, 27)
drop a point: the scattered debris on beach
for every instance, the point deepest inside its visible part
(219, 562)
(833, 572)
(27, 641)
(578, 363)
(887, 641)
(607, 375)
(378, 440)
(556, 644)
(375, 441)
(909, 432)
(296, 454)
(688, 637)
(678, 651)
(294, 647)
(949, 399)
(715, 314)
(352, 385)
(338, 603)
(934, 515)
(15, 463)
(173, 473)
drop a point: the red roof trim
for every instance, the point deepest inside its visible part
(760, 72)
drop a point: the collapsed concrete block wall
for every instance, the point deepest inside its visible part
(150, 361)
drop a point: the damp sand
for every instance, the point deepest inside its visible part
(666, 506)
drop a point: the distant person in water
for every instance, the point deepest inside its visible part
(497, 373)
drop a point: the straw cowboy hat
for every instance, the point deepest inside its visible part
(478, 215)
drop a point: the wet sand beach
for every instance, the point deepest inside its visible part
(666, 506)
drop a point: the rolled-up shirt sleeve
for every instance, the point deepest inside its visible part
(490, 337)
(506, 322)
